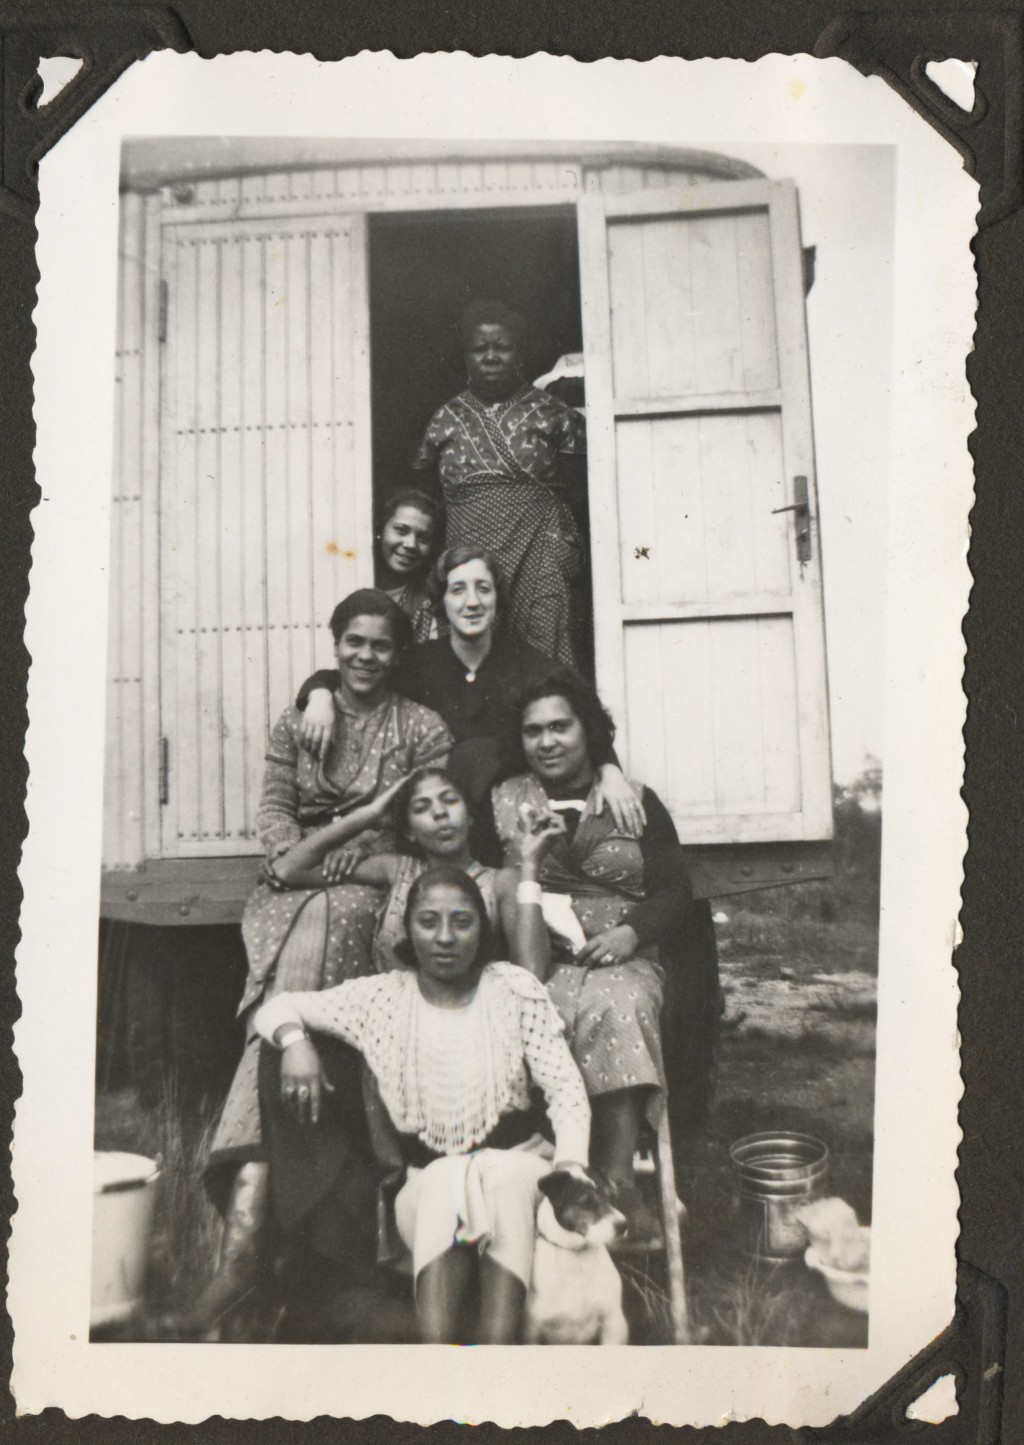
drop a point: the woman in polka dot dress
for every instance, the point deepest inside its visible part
(629, 896)
(497, 448)
(301, 930)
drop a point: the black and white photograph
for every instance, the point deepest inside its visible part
(498, 575)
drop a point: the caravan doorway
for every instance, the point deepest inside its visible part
(424, 268)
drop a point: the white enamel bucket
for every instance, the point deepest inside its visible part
(124, 1197)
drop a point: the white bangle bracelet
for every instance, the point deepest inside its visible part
(293, 1035)
(529, 891)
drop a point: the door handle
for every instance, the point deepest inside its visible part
(802, 508)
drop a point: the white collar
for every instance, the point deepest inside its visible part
(549, 1228)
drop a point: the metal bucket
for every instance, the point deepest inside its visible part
(776, 1174)
(124, 1196)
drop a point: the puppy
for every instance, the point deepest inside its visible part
(575, 1295)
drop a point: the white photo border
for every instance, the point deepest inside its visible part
(704, 104)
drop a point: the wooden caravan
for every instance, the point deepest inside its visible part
(284, 333)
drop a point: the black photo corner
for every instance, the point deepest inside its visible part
(984, 1346)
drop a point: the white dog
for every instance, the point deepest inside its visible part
(575, 1295)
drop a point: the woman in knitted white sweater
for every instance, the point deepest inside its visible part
(455, 1046)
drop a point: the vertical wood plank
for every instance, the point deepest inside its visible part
(715, 303)
(798, 454)
(207, 535)
(358, 350)
(756, 301)
(254, 521)
(640, 541)
(184, 752)
(780, 725)
(601, 469)
(736, 710)
(277, 383)
(151, 560)
(671, 321)
(232, 483)
(629, 306)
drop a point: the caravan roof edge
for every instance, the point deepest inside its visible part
(149, 162)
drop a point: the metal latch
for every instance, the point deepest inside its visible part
(802, 508)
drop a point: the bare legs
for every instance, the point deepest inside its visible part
(446, 1292)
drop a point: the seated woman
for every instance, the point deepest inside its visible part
(454, 1043)
(471, 678)
(432, 826)
(408, 539)
(301, 930)
(629, 895)
(504, 453)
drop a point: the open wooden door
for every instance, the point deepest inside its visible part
(709, 630)
(265, 497)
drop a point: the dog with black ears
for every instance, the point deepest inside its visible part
(575, 1295)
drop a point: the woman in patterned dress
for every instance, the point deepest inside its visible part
(498, 448)
(454, 1043)
(408, 540)
(301, 930)
(629, 895)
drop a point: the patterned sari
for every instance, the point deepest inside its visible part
(612, 1014)
(498, 465)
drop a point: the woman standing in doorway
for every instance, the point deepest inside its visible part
(499, 448)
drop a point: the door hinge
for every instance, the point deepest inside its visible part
(163, 773)
(162, 321)
(801, 509)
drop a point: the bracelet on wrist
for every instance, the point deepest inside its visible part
(529, 891)
(294, 1034)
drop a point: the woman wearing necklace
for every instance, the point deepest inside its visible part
(471, 679)
(499, 448)
(454, 1043)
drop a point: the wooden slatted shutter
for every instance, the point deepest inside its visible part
(266, 505)
(708, 609)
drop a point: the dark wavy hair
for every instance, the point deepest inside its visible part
(493, 313)
(423, 502)
(371, 602)
(403, 801)
(585, 703)
(453, 557)
(444, 873)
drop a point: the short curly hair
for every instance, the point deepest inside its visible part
(371, 602)
(493, 313)
(597, 721)
(445, 874)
